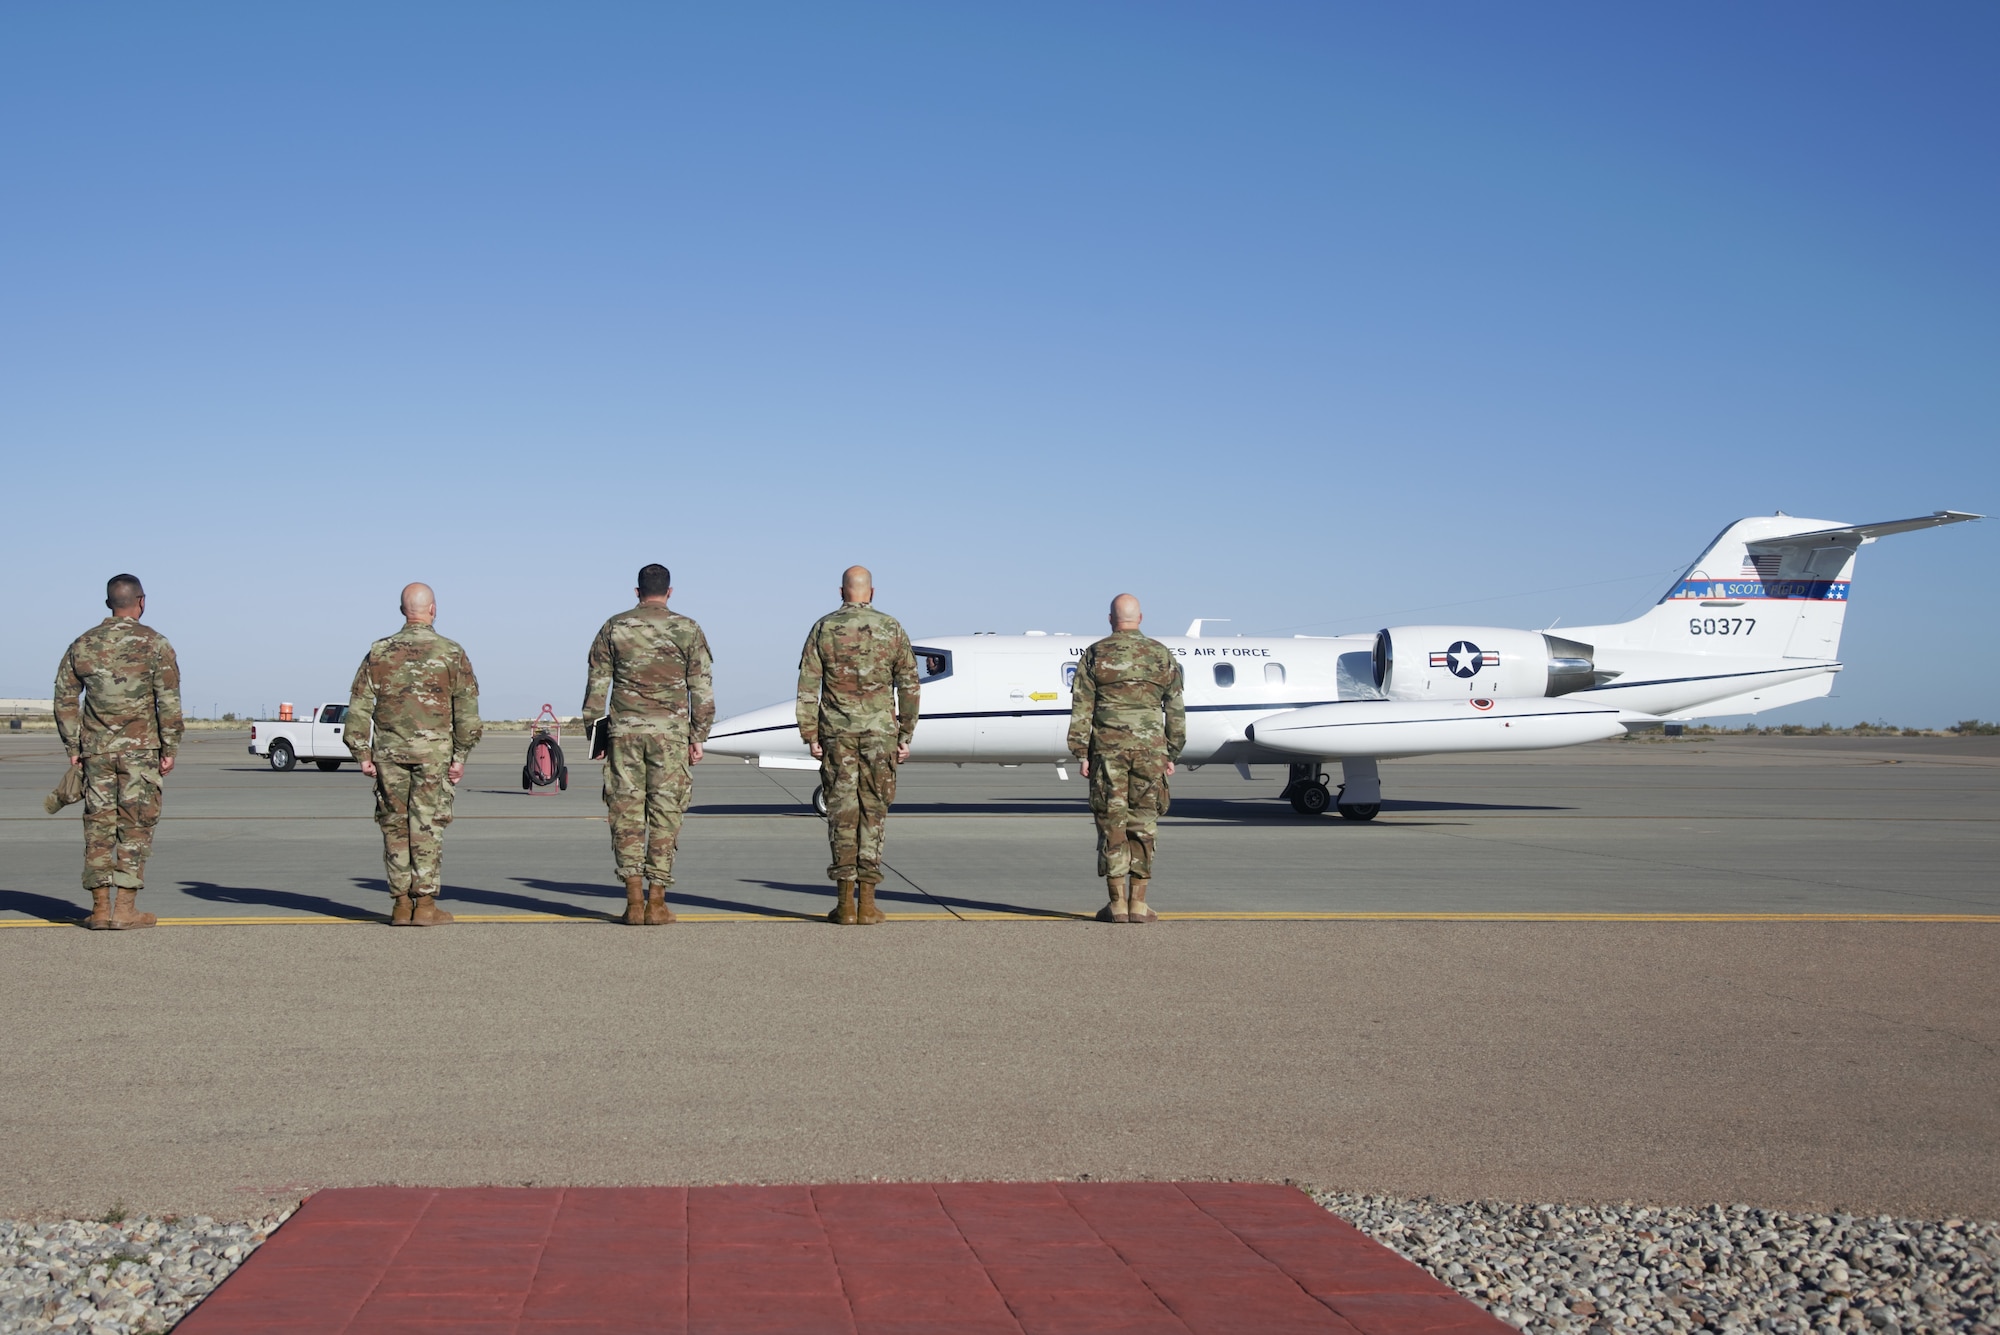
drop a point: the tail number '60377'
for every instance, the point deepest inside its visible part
(1721, 625)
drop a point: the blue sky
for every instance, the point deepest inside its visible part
(1309, 316)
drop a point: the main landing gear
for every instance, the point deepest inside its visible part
(1309, 795)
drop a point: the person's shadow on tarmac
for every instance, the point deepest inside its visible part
(278, 899)
(676, 897)
(499, 899)
(46, 907)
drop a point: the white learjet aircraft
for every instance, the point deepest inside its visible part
(1752, 625)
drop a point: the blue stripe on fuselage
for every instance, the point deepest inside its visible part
(1812, 590)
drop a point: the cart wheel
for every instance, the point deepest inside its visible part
(562, 778)
(527, 779)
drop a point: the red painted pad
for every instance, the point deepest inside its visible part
(1059, 1258)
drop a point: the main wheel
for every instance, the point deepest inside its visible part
(562, 779)
(1311, 799)
(819, 798)
(1360, 810)
(282, 755)
(328, 765)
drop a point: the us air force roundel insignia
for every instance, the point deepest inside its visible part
(1464, 659)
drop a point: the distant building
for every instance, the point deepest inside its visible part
(27, 708)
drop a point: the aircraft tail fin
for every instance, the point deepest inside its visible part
(1773, 585)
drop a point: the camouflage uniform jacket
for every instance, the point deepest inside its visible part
(131, 684)
(655, 664)
(417, 692)
(857, 676)
(1127, 693)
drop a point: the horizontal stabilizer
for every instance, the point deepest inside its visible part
(1859, 533)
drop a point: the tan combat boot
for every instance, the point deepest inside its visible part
(843, 912)
(424, 912)
(399, 913)
(657, 912)
(100, 909)
(635, 901)
(125, 914)
(1138, 911)
(864, 909)
(1116, 910)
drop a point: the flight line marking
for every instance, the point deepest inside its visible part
(314, 920)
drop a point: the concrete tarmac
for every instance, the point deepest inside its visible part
(1796, 1062)
(1714, 825)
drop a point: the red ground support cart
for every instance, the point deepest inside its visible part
(545, 758)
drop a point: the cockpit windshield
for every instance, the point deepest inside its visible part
(932, 664)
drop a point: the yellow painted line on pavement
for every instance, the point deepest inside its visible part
(309, 920)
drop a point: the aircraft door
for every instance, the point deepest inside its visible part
(1023, 708)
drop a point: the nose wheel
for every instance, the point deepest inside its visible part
(1307, 791)
(819, 798)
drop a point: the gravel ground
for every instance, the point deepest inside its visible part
(1544, 1268)
(116, 1275)
(1549, 1268)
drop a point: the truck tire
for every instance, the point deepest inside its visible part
(328, 765)
(282, 756)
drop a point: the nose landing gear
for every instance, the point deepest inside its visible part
(1307, 791)
(1309, 795)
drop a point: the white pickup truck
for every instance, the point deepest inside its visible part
(316, 737)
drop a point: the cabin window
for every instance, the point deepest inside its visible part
(333, 714)
(1225, 674)
(1274, 674)
(932, 664)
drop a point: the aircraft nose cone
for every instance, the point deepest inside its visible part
(770, 731)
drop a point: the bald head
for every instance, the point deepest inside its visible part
(419, 603)
(1125, 614)
(857, 585)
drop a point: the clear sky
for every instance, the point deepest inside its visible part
(1312, 316)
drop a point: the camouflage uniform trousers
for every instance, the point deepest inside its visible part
(413, 805)
(1128, 795)
(858, 775)
(646, 792)
(121, 805)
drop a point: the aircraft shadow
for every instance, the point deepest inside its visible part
(46, 907)
(278, 899)
(1253, 811)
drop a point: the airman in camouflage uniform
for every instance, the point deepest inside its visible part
(123, 736)
(412, 719)
(1127, 727)
(857, 709)
(655, 666)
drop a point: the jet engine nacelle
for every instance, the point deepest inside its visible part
(1444, 662)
